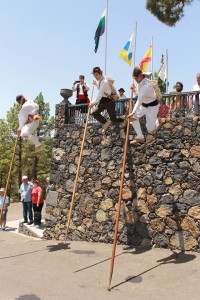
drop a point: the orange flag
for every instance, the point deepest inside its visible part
(146, 59)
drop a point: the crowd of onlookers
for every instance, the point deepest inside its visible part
(178, 105)
(32, 198)
(32, 201)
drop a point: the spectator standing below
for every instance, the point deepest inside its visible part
(195, 100)
(38, 202)
(28, 120)
(179, 103)
(104, 101)
(81, 88)
(146, 105)
(25, 191)
(3, 209)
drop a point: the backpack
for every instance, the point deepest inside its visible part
(114, 94)
(156, 89)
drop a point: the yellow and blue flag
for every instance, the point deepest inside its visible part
(127, 52)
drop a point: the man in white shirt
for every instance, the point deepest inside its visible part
(123, 106)
(121, 94)
(146, 105)
(195, 100)
(28, 120)
(81, 88)
(104, 101)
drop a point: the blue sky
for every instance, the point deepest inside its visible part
(46, 44)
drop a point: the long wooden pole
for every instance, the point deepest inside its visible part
(78, 168)
(8, 178)
(120, 197)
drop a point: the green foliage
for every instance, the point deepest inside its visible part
(168, 12)
(28, 161)
(161, 84)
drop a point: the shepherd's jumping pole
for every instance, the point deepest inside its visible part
(78, 168)
(120, 197)
(8, 178)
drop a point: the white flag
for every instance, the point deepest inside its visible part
(163, 72)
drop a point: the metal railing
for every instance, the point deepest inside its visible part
(175, 104)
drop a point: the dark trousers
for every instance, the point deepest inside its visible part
(27, 210)
(37, 213)
(82, 109)
(109, 105)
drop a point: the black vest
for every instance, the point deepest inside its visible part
(84, 91)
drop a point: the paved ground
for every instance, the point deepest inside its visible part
(33, 269)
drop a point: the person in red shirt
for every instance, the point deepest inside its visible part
(38, 202)
(163, 110)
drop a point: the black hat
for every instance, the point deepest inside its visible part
(96, 70)
(121, 90)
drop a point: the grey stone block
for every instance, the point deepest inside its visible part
(52, 198)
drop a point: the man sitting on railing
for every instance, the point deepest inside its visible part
(195, 100)
(179, 104)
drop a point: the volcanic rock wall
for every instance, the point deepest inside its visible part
(161, 195)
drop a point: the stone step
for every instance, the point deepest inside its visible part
(17, 226)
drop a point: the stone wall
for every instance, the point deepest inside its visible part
(161, 195)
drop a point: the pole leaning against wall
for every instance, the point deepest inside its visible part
(78, 168)
(120, 196)
(9, 174)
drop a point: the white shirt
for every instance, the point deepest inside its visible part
(145, 94)
(122, 97)
(28, 108)
(74, 88)
(104, 90)
(196, 87)
(6, 201)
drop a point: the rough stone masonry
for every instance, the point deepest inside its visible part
(161, 195)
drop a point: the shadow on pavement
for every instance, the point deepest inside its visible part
(21, 254)
(176, 258)
(60, 246)
(11, 228)
(28, 297)
(98, 263)
(137, 250)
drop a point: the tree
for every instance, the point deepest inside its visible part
(12, 121)
(28, 161)
(168, 11)
(161, 84)
(6, 143)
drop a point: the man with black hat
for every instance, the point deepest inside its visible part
(121, 94)
(104, 101)
(123, 106)
(28, 119)
(146, 105)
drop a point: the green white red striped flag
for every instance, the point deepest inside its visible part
(100, 29)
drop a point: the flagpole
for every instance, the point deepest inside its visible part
(166, 71)
(106, 37)
(152, 58)
(135, 44)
